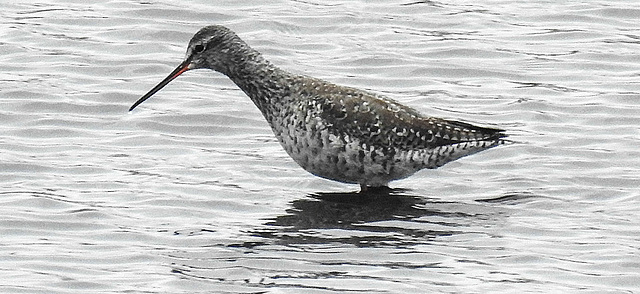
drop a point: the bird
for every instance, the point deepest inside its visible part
(335, 132)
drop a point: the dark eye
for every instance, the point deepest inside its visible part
(198, 48)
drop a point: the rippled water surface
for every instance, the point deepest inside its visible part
(191, 193)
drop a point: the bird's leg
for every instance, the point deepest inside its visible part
(373, 189)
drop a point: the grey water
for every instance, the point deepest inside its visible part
(191, 193)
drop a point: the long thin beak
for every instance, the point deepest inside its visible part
(184, 66)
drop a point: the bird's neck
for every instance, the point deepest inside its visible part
(262, 81)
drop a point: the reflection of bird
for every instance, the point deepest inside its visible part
(375, 218)
(335, 132)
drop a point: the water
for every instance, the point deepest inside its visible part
(191, 193)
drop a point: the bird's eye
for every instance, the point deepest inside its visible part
(198, 48)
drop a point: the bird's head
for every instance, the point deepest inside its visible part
(214, 47)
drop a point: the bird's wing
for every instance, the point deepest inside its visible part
(384, 122)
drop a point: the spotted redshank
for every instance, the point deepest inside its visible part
(335, 132)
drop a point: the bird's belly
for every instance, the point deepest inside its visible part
(343, 159)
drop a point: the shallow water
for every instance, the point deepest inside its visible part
(191, 193)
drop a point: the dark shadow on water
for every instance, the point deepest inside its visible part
(391, 217)
(384, 222)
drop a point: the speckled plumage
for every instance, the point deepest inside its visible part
(335, 132)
